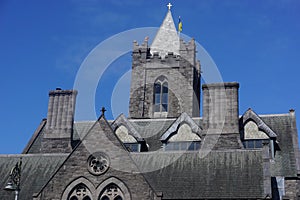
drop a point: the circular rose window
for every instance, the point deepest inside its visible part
(98, 163)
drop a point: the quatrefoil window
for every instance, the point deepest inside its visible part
(98, 163)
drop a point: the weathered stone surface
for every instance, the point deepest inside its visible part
(60, 119)
(91, 154)
(76, 167)
(220, 108)
(181, 72)
(166, 39)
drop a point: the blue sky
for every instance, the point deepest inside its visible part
(43, 43)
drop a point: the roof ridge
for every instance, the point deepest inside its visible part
(35, 135)
(154, 119)
(84, 121)
(273, 115)
(194, 152)
(33, 155)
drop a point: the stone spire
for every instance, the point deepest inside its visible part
(166, 39)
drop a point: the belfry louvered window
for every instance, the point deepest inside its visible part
(161, 96)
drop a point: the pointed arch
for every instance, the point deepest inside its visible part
(161, 79)
(161, 94)
(116, 186)
(111, 192)
(82, 186)
(80, 192)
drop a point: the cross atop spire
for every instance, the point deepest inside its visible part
(169, 6)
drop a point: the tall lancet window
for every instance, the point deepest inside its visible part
(157, 90)
(161, 95)
(164, 98)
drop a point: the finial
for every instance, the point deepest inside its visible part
(169, 6)
(103, 111)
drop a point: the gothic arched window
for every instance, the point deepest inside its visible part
(164, 98)
(157, 93)
(111, 192)
(80, 192)
(161, 95)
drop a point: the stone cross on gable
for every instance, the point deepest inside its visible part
(169, 6)
(103, 110)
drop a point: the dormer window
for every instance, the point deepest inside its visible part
(128, 140)
(183, 140)
(253, 144)
(254, 137)
(161, 95)
(182, 146)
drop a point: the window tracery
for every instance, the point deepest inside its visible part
(161, 95)
(98, 163)
(112, 192)
(80, 192)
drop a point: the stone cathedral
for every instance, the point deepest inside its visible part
(163, 149)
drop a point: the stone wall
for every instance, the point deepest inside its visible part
(77, 169)
(291, 189)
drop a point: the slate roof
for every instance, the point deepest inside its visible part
(166, 39)
(122, 120)
(286, 159)
(151, 130)
(250, 114)
(186, 175)
(180, 175)
(285, 162)
(34, 144)
(81, 128)
(36, 171)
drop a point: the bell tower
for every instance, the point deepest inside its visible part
(165, 80)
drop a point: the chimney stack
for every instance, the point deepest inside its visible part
(60, 120)
(221, 113)
(220, 107)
